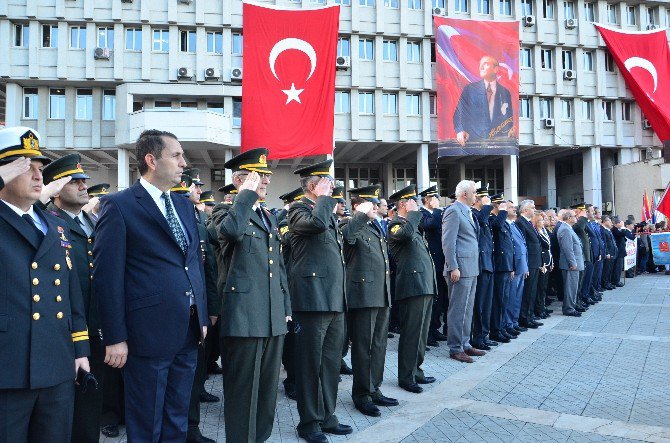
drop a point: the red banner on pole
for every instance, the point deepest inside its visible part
(288, 88)
(664, 203)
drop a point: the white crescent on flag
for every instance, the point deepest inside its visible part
(292, 43)
(639, 62)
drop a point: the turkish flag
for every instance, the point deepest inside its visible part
(288, 88)
(644, 61)
(664, 203)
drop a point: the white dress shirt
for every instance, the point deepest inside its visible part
(31, 212)
(156, 194)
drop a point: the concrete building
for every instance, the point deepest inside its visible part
(90, 76)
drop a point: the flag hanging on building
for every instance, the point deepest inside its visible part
(288, 87)
(664, 204)
(646, 210)
(477, 86)
(643, 58)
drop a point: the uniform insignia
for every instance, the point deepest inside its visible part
(283, 230)
(68, 261)
(60, 230)
(395, 229)
(30, 142)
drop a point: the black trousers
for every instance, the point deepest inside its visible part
(481, 315)
(369, 335)
(113, 398)
(288, 354)
(529, 295)
(88, 405)
(440, 304)
(501, 283)
(617, 270)
(212, 352)
(606, 278)
(542, 284)
(196, 390)
(37, 415)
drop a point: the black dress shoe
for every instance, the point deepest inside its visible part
(520, 328)
(432, 342)
(111, 431)
(340, 429)
(194, 436)
(214, 368)
(382, 400)
(537, 323)
(619, 285)
(549, 311)
(439, 336)
(490, 343)
(414, 387)
(529, 325)
(481, 346)
(369, 409)
(346, 370)
(425, 380)
(578, 309)
(573, 314)
(390, 335)
(543, 316)
(500, 338)
(315, 437)
(394, 329)
(206, 397)
(511, 331)
(289, 390)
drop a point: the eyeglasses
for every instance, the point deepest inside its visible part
(262, 175)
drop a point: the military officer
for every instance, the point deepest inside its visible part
(369, 296)
(503, 265)
(481, 316)
(44, 340)
(95, 192)
(98, 190)
(229, 192)
(256, 303)
(318, 301)
(415, 287)
(207, 199)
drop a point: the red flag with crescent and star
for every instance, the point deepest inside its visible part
(288, 88)
(643, 58)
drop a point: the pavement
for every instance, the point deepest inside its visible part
(602, 377)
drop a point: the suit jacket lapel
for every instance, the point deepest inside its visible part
(51, 238)
(19, 224)
(69, 221)
(145, 200)
(256, 219)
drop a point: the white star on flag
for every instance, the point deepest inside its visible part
(292, 94)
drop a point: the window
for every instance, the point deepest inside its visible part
(609, 62)
(362, 177)
(393, 4)
(188, 105)
(84, 104)
(414, 52)
(569, 9)
(138, 106)
(30, 103)
(505, 7)
(568, 60)
(461, 5)
(566, 109)
(163, 104)
(237, 112)
(366, 49)
(237, 43)
(187, 41)
(403, 177)
(78, 37)
(631, 18)
(215, 42)
(134, 39)
(368, 3)
(343, 47)
(526, 58)
(612, 14)
(215, 107)
(343, 2)
(626, 112)
(412, 4)
(106, 38)
(432, 98)
(319, 2)
(342, 102)
(651, 16)
(390, 103)
(433, 57)
(526, 7)
(608, 110)
(546, 108)
(588, 60)
(366, 103)
(589, 12)
(525, 108)
(57, 104)
(413, 104)
(21, 36)
(667, 17)
(161, 40)
(439, 3)
(108, 104)
(390, 50)
(547, 58)
(483, 7)
(49, 36)
(548, 7)
(587, 110)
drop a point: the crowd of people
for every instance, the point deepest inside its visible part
(122, 303)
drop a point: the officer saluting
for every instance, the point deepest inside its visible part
(44, 340)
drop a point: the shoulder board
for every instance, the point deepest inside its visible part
(395, 229)
(283, 230)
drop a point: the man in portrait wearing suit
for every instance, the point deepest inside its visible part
(571, 260)
(460, 232)
(484, 110)
(149, 278)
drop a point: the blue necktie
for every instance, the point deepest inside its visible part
(173, 222)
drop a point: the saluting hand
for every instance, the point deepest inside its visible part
(252, 182)
(116, 355)
(486, 200)
(12, 170)
(53, 188)
(502, 206)
(411, 205)
(92, 203)
(366, 208)
(323, 187)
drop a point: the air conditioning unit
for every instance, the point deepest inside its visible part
(529, 20)
(442, 12)
(651, 27)
(343, 63)
(186, 2)
(548, 122)
(212, 73)
(126, 1)
(184, 72)
(236, 74)
(101, 53)
(646, 124)
(570, 23)
(569, 74)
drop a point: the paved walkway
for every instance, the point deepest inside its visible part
(601, 377)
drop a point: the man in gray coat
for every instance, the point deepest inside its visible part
(461, 267)
(571, 260)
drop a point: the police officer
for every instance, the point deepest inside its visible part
(368, 289)
(481, 316)
(46, 342)
(318, 301)
(415, 288)
(503, 265)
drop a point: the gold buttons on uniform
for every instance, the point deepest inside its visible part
(271, 262)
(270, 235)
(57, 282)
(36, 281)
(56, 267)
(90, 265)
(362, 279)
(270, 249)
(90, 241)
(270, 274)
(36, 316)
(59, 315)
(59, 298)
(34, 265)
(233, 288)
(36, 298)
(90, 252)
(313, 274)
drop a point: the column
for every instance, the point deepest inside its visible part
(511, 174)
(123, 176)
(388, 179)
(422, 169)
(591, 177)
(228, 174)
(548, 183)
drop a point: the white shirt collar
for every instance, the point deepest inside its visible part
(71, 214)
(20, 212)
(153, 191)
(492, 84)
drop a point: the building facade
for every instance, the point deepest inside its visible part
(91, 76)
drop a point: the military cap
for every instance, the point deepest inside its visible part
(581, 206)
(497, 198)
(321, 169)
(405, 193)
(194, 173)
(391, 207)
(369, 193)
(228, 189)
(429, 192)
(20, 141)
(98, 190)
(482, 192)
(207, 197)
(68, 166)
(254, 160)
(183, 187)
(338, 194)
(292, 196)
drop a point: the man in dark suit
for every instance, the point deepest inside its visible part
(481, 315)
(523, 222)
(318, 301)
(584, 275)
(621, 232)
(149, 278)
(591, 293)
(484, 110)
(503, 262)
(67, 205)
(610, 252)
(44, 340)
